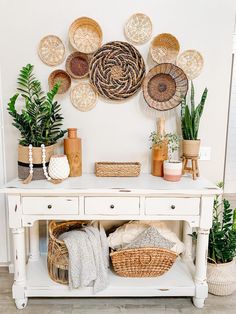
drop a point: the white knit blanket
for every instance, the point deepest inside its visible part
(88, 257)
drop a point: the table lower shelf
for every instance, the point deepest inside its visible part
(177, 282)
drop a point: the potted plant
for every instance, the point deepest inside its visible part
(172, 166)
(159, 149)
(221, 270)
(39, 123)
(190, 120)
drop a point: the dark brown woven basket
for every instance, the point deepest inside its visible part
(58, 258)
(142, 262)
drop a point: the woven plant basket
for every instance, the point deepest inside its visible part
(221, 278)
(117, 169)
(23, 161)
(142, 262)
(58, 258)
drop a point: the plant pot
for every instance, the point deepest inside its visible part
(159, 154)
(221, 278)
(23, 161)
(191, 148)
(59, 168)
(172, 170)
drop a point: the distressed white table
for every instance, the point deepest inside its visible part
(92, 198)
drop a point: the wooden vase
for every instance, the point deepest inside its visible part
(73, 151)
(159, 154)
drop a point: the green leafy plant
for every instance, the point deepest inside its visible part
(171, 139)
(191, 115)
(40, 121)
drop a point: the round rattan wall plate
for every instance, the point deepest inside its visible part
(164, 86)
(83, 96)
(138, 28)
(51, 50)
(85, 35)
(191, 62)
(77, 65)
(61, 77)
(117, 70)
(164, 48)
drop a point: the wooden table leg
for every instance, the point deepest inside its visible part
(34, 241)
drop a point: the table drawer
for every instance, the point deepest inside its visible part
(111, 205)
(50, 205)
(172, 206)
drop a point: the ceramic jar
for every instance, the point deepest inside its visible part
(172, 170)
(59, 167)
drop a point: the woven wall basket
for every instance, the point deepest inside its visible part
(164, 48)
(191, 62)
(23, 161)
(61, 77)
(164, 86)
(83, 96)
(117, 169)
(51, 50)
(85, 35)
(117, 70)
(138, 28)
(77, 65)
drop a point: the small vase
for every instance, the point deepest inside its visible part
(73, 151)
(172, 170)
(159, 154)
(59, 167)
(191, 148)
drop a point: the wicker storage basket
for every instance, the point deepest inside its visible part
(142, 262)
(58, 257)
(117, 169)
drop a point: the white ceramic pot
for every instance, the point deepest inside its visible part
(59, 167)
(172, 170)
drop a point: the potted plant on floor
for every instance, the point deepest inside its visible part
(39, 123)
(172, 166)
(190, 120)
(221, 268)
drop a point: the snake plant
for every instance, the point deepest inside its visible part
(191, 114)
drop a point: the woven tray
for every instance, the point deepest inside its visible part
(61, 77)
(77, 65)
(191, 62)
(51, 50)
(83, 96)
(117, 169)
(142, 262)
(138, 28)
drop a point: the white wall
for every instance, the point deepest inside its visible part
(119, 131)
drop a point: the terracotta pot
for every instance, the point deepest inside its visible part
(73, 151)
(172, 170)
(23, 161)
(191, 148)
(159, 154)
(221, 278)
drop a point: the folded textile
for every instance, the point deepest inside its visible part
(88, 257)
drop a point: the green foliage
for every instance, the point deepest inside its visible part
(190, 117)
(40, 121)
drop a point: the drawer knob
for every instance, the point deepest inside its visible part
(49, 206)
(172, 206)
(112, 206)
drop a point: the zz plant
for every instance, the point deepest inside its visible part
(191, 115)
(40, 120)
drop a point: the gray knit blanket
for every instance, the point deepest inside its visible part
(88, 257)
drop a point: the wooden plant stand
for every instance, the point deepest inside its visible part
(194, 170)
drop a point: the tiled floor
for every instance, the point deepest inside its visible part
(214, 305)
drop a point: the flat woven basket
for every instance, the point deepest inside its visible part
(142, 262)
(58, 258)
(117, 169)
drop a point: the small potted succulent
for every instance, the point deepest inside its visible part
(172, 166)
(190, 120)
(39, 123)
(159, 147)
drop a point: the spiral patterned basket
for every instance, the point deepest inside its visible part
(164, 48)
(51, 50)
(191, 62)
(138, 28)
(165, 86)
(117, 70)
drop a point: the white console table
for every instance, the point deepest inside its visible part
(92, 198)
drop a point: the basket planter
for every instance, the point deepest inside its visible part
(58, 257)
(23, 161)
(191, 148)
(117, 169)
(142, 262)
(221, 278)
(159, 154)
(172, 170)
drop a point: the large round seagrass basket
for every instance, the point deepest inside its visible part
(58, 257)
(142, 262)
(23, 161)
